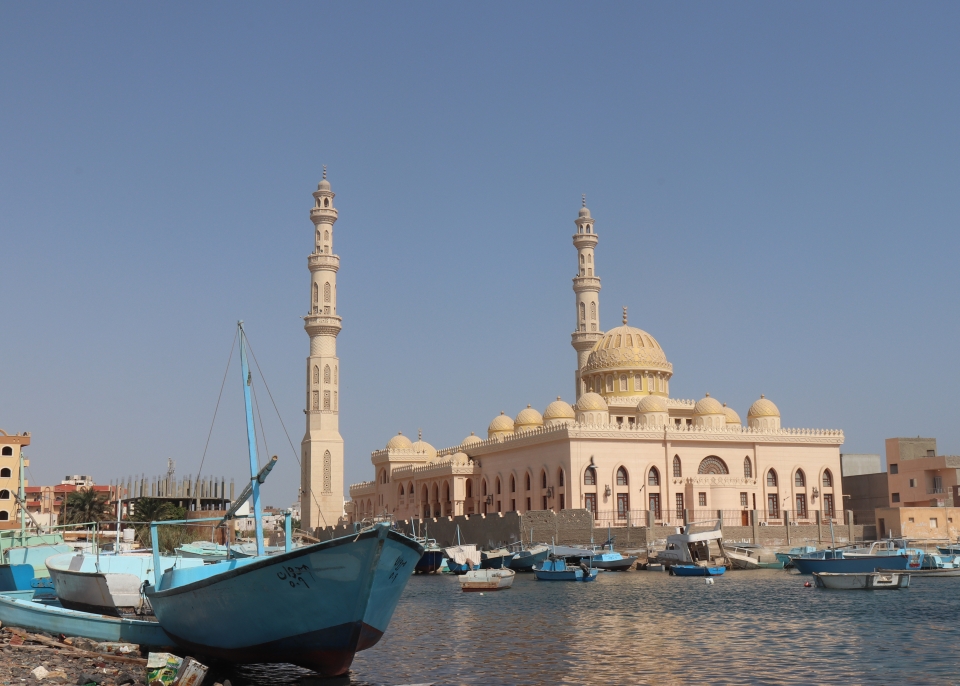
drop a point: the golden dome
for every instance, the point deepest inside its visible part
(627, 347)
(763, 408)
(423, 448)
(501, 423)
(652, 403)
(708, 405)
(591, 402)
(528, 419)
(399, 442)
(732, 416)
(472, 439)
(559, 410)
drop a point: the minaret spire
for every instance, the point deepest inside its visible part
(586, 287)
(321, 479)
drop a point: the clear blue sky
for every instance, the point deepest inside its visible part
(774, 184)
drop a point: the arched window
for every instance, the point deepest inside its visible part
(609, 383)
(401, 490)
(526, 481)
(326, 202)
(327, 472)
(623, 382)
(622, 479)
(653, 477)
(326, 235)
(316, 296)
(4, 515)
(326, 292)
(498, 485)
(446, 492)
(827, 479)
(469, 488)
(5, 473)
(677, 471)
(543, 479)
(747, 468)
(772, 479)
(4, 494)
(593, 311)
(513, 484)
(336, 374)
(560, 477)
(798, 479)
(410, 488)
(582, 312)
(7, 450)
(589, 258)
(483, 487)
(326, 373)
(590, 477)
(712, 465)
(316, 374)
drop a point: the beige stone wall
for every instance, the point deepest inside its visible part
(919, 523)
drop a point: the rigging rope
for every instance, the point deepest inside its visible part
(215, 410)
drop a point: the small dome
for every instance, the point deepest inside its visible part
(652, 403)
(459, 458)
(471, 440)
(423, 448)
(708, 405)
(501, 423)
(558, 410)
(584, 212)
(732, 416)
(591, 402)
(324, 185)
(528, 418)
(763, 408)
(399, 442)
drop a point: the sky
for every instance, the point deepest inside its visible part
(774, 187)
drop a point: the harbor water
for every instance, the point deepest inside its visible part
(761, 627)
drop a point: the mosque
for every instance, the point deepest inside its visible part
(624, 450)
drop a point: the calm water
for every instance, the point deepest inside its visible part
(647, 627)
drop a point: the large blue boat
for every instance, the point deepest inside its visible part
(696, 570)
(313, 606)
(525, 560)
(556, 569)
(889, 554)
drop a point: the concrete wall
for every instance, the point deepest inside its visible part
(919, 522)
(899, 449)
(856, 464)
(867, 492)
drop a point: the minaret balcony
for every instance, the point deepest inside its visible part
(322, 324)
(585, 339)
(318, 261)
(586, 283)
(323, 215)
(585, 240)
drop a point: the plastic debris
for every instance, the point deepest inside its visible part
(191, 673)
(162, 669)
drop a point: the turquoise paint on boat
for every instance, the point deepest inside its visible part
(36, 556)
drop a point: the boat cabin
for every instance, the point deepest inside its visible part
(693, 544)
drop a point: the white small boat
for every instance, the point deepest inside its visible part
(865, 581)
(486, 579)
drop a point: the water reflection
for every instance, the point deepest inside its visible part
(759, 627)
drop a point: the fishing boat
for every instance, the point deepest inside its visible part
(557, 569)
(432, 559)
(462, 557)
(691, 544)
(496, 559)
(787, 557)
(487, 580)
(867, 581)
(527, 558)
(886, 554)
(50, 617)
(204, 550)
(313, 606)
(750, 556)
(108, 584)
(950, 549)
(696, 570)
(607, 559)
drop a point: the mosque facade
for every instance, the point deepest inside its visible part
(624, 449)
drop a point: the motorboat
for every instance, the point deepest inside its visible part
(697, 570)
(527, 559)
(607, 559)
(887, 554)
(432, 558)
(750, 556)
(691, 544)
(52, 618)
(867, 581)
(108, 584)
(557, 569)
(496, 559)
(486, 580)
(314, 606)
(787, 557)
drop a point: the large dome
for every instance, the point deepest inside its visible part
(763, 408)
(421, 447)
(651, 403)
(500, 424)
(732, 416)
(591, 402)
(399, 442)
(528, 418)
(708, 405)
(627, 347)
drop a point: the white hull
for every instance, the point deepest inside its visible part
(871, 581)
(738, 561)
(487, 580)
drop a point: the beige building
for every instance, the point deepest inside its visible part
(321, 478)
(919, 523)
(917, 476)
(624, 450)
(10, 447)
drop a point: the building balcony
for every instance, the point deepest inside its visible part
(932, 491)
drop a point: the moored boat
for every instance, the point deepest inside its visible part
(496, 559)
(526, 559)
(432, 559)
(487, 580)
(204, 550)
(867, 581)
(696, 570)
(787, 557)
(880, 554)
(556, 569)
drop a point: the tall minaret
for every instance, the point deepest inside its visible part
(586, 286)
(321, 478)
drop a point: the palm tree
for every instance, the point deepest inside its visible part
(155, 510)
(87, 505)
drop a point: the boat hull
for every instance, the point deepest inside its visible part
(868, 581)
(851, 565)
(573, 574)
(526, 560)
(621, 565)
(429, 562)
(487, 580)
(55, 620)
(315, 606)
(696, 570)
